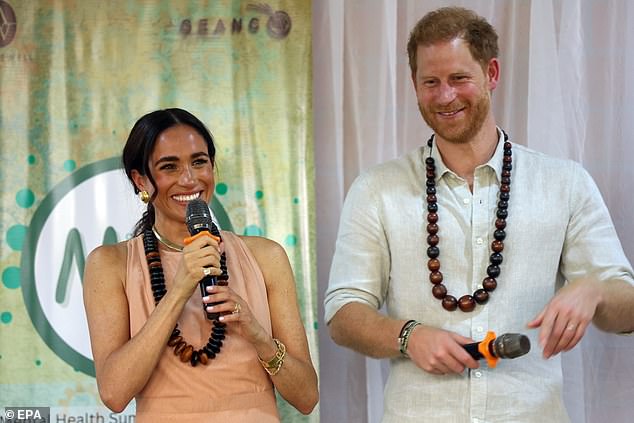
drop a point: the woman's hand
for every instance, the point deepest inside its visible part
(200, 258)
(234, 309)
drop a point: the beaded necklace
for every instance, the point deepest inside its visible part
(466, 303)
(184, 350)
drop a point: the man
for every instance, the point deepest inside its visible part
(468, 234)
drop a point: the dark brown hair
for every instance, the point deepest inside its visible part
(447, 23)
(141, 142)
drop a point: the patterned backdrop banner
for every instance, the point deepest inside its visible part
(74, 77)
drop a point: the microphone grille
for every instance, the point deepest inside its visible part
(197, 216)
(511, 345)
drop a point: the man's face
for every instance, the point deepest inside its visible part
(453, 90)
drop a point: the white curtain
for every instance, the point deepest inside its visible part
(566, 89)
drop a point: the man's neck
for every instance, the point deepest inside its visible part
(463, 158)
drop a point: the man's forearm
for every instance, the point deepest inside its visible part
(615, 313)
(365, 330)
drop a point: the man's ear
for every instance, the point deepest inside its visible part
(493, 73)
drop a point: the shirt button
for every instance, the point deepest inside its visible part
(479, 241)
(477, 374)
(479, 328)
(466, 201)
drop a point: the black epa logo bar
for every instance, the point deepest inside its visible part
(8, 23)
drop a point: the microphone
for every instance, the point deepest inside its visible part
(508, 345)
(198, 220)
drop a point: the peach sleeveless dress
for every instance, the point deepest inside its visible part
(233, 387)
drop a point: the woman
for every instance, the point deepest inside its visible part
(150, 337)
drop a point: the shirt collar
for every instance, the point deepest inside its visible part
(495, 162)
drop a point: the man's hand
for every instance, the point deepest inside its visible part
(564, 320)
(438, 351)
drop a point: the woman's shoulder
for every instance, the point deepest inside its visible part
(260, 245)
(258, 242)
(268, 253)
(109, 255)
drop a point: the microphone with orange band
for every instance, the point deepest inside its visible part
(508, 345)
(199, 223)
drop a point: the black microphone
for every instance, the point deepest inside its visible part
(508, 345)
(198, 219)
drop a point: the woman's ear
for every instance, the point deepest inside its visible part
(140, 181)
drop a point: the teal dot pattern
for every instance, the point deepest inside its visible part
(253, 230)
(11, 277)
(295, 200)
(222, 188)
(69, 165)
(15, 237)
(31, 159)
(259, 194)
(25, 198)
(6, 317)
(290, 241)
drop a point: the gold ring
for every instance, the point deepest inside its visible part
(207, 271)
(236, 309)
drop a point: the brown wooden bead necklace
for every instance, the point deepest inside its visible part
(467, 303)
(184, 350)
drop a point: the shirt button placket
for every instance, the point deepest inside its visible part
(478, 381)
(478, 377)
(480, 226)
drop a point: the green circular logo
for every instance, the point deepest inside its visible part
(93, 206)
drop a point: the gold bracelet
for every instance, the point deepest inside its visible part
(274, 365)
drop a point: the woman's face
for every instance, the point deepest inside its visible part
(182, 171)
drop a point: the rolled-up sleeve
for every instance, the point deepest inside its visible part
(360, 266)
(592, 246)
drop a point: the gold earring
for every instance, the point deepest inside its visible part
(144, 196)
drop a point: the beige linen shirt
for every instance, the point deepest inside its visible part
(558, 229)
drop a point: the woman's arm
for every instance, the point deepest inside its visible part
(123, 365)
(296, 381)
